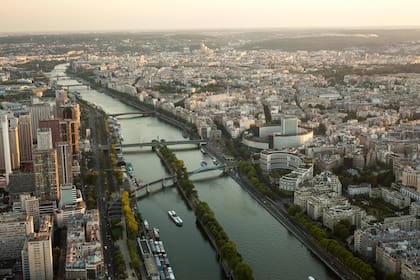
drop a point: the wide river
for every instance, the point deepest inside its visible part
(272, 251)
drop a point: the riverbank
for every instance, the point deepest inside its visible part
(274, 253)
(134, 102)
(278, 211)
(233, 264)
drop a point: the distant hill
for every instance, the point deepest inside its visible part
(332, 39)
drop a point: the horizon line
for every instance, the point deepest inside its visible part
(206, 29)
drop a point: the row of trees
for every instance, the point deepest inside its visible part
(357, 265)
(119, 264)
(130, 219)
(181, 173)
(132, 250)
(247, 169)
(115, 169)
(227, 249)
(132, 231)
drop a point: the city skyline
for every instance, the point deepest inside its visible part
(19, 16)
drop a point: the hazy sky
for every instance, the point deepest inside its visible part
(88, 15)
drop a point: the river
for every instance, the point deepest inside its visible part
(272, 251)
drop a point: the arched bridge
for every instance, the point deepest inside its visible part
(190, 173)
(132, 113)
(166, 143)
(206, 169)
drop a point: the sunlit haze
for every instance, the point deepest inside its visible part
(89, 15)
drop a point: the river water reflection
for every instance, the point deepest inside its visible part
(265, 244)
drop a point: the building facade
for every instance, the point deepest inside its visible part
(13, 230)
(39, 247)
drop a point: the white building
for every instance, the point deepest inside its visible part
(39, 252)
(362, 189)
(337, 213)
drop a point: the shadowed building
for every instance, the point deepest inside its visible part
(25, 140)
(45, 167)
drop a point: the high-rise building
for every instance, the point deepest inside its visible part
(54, 125)
(60, 100)
(46, 168)
(289, 125)
(30, 206)
(5, 162)
(41, 111)
(44, 139)
(69, 127)
(39, 248)
(64, 161)
(14, 143)
(25, 139)
(13, 230)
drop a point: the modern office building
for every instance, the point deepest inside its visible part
(5, 161)
(61, 99)
(300, 172)
(14, 142)
(46, 168)
(14, 227)
(10, 139)
(273, 159)
(54, 125)
(64, 162)
(25, 139)
(288, 135)
(289, 125)
(40, 111)
(69, 127)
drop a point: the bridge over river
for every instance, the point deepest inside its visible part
(172, 178)
(156, 143)
(145, 114)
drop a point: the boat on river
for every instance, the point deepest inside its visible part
(130, 169)
(175, 218)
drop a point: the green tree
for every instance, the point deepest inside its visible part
(243, 271)
(342, 230)
(229, 253)
(392, 276)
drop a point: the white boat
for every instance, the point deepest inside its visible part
(311, 278)
(175, 218)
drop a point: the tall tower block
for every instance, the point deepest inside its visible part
(6, 146)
